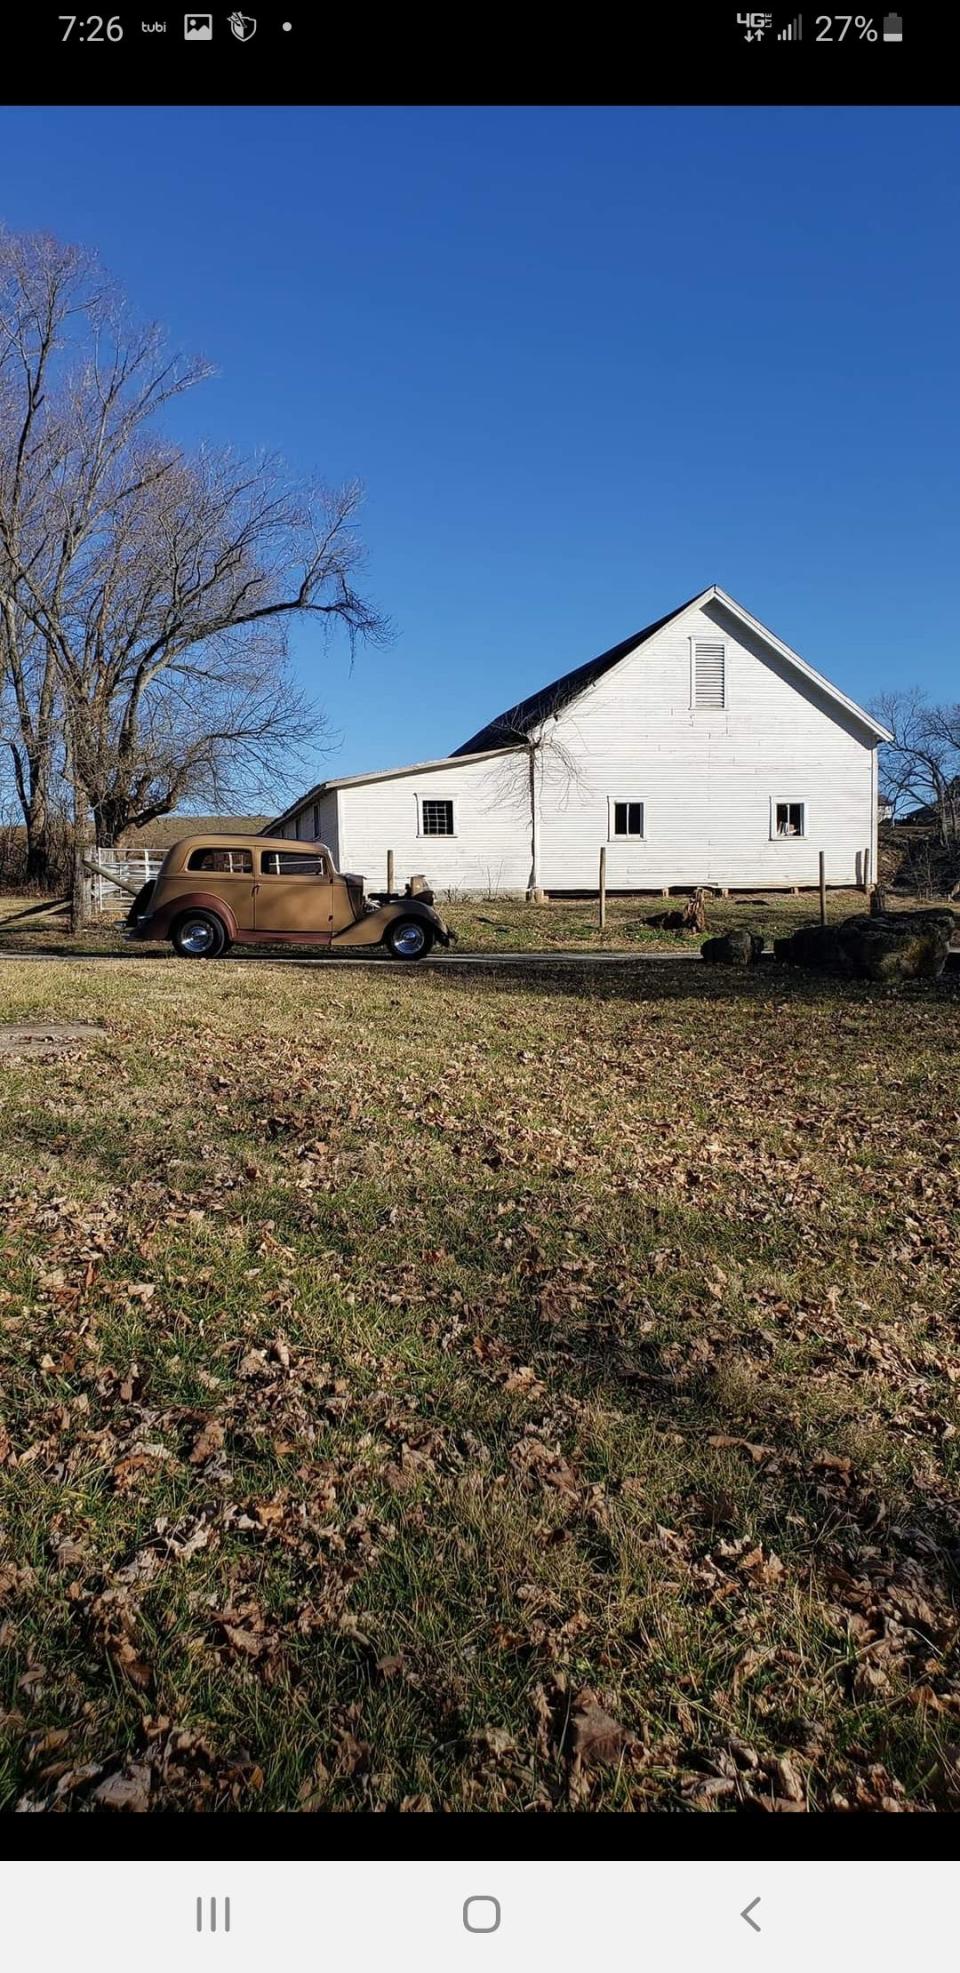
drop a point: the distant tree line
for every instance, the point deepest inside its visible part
(146, 590)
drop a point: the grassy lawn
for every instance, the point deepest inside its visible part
(450, 1390)
(509, 925)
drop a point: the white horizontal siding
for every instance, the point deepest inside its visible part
(706, 776)
(316, 821)
(490, 851)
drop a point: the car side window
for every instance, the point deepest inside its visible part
(228, 862)
(292, 863)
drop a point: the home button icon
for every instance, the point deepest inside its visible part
(482, 1914)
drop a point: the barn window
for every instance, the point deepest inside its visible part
(709, 674)
(789, 819)
(316, 818)
(436, 816)
(626, 818)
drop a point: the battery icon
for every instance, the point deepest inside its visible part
(892, 27)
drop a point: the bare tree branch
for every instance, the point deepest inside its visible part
(146, 594)
(920, 766)
(538, 760)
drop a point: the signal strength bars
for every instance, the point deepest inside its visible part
(794, 32)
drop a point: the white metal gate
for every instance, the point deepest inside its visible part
(132, 867)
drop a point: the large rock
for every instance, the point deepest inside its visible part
(901, 945)
(908, 945)
(732, 949)
(818, 947)
(932, 914)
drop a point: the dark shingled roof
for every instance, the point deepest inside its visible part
(518, 720)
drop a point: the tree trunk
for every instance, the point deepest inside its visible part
(79, 889)
(31, 775)
(37, 866)
(534, 884)
(108, 824)
(36, 822)
(79, 912)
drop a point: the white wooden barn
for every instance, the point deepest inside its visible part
(701, 750)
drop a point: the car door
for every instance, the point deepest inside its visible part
(222, 871)
(293, 897)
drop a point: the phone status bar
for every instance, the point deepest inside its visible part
(267, 54)
(199, 29)
(824, 30)
(91, 30)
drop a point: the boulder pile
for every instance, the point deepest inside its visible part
(891, 945)
(733, 949)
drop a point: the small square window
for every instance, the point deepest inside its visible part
(790, 818)
(436, 817)
(628, 818)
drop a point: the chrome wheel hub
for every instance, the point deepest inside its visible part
(196, 938)
(409, 940)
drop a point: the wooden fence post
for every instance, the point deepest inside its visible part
(603, 887)
(79, 912)
(390, 870)
(823, 888)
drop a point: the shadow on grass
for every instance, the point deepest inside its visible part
(618, 975)
(662, 977)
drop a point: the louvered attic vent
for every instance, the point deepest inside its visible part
(708, 675)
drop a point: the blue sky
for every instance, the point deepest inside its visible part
(585, 361)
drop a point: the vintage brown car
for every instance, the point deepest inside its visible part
(214, 891)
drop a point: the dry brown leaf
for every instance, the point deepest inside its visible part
(130, 1790)
(208, 1441)
(595, 1736)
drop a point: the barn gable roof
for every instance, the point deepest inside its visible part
(508, 730)
(510, 727)
(526, 715)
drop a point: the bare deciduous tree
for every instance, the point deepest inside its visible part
(145, 594)
(539, 760)
(920, 766)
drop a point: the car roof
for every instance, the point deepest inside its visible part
(228, 840)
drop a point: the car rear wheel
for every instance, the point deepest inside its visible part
(199, 935)
(409, 938)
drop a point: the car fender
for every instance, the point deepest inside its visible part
(373, 927)
(412, 908)
(160, 921)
